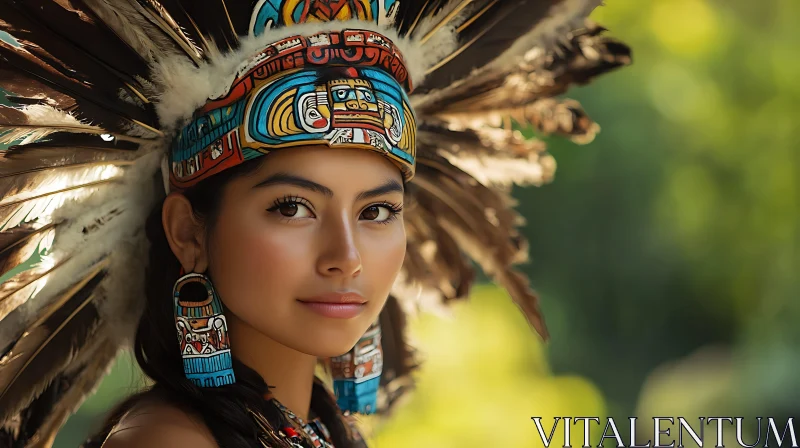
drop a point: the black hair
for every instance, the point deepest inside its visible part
(224, 409)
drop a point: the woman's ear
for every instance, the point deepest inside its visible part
(185, 235)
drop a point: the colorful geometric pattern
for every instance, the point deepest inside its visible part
(356, 374)
(268, 14)
(338, 88)
(203, 335)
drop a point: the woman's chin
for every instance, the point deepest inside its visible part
(326, 344)
(331, 337)
(333, 346)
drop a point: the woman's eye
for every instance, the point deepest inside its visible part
(378, 213)
(292, 210)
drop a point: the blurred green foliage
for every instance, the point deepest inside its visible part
(665, 252)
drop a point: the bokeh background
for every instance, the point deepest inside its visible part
(665, 252)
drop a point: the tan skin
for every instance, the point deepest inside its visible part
(263, 256)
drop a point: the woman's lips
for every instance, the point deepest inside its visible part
(336, 305)
(336, 310)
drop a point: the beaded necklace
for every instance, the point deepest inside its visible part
(315, 430)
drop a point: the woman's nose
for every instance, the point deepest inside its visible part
(339, 255)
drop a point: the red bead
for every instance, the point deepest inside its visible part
(290, 432)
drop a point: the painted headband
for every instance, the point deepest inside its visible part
(345, 89)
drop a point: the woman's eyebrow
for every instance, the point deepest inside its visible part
(291, 179)
(389, 186)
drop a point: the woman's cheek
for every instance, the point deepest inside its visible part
(273, 258)
(257, 262)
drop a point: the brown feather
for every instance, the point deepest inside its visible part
(18, 289)
(26, 196)
(562, 117)
(414, 264)
(41, 182)
(39, 42)
(446, 20)
(496, 157)
(67, 144)
(538, 74)
(20, 243)
(174, 24)
(76, 24)
(28, 185)
(518, 287)
(398, 357)
(11, 116)
(30, 133)
(447, 269)
(48, 345)
(19, 234)
(15, 211)
(481, 221)
(15, 125)
(497, 25)
(76, 151)
(66, 392)
(25, 86)
(17, 160)
(214, 19)
(92, 104)
(27, 101)
(410, 13)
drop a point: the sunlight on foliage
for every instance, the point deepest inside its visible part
(686, 27)
(484, 376)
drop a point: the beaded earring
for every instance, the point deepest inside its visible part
(356, 374)
(202, 332)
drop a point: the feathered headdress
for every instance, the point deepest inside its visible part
(114, 102)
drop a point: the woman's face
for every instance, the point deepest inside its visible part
(310, 221)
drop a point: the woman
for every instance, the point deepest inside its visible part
(311, 196)
(303, 247)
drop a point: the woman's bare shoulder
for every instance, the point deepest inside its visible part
(159, 425)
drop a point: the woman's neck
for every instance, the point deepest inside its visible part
(289, 373)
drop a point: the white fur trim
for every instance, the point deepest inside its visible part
(165, 172)
(186, 87)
